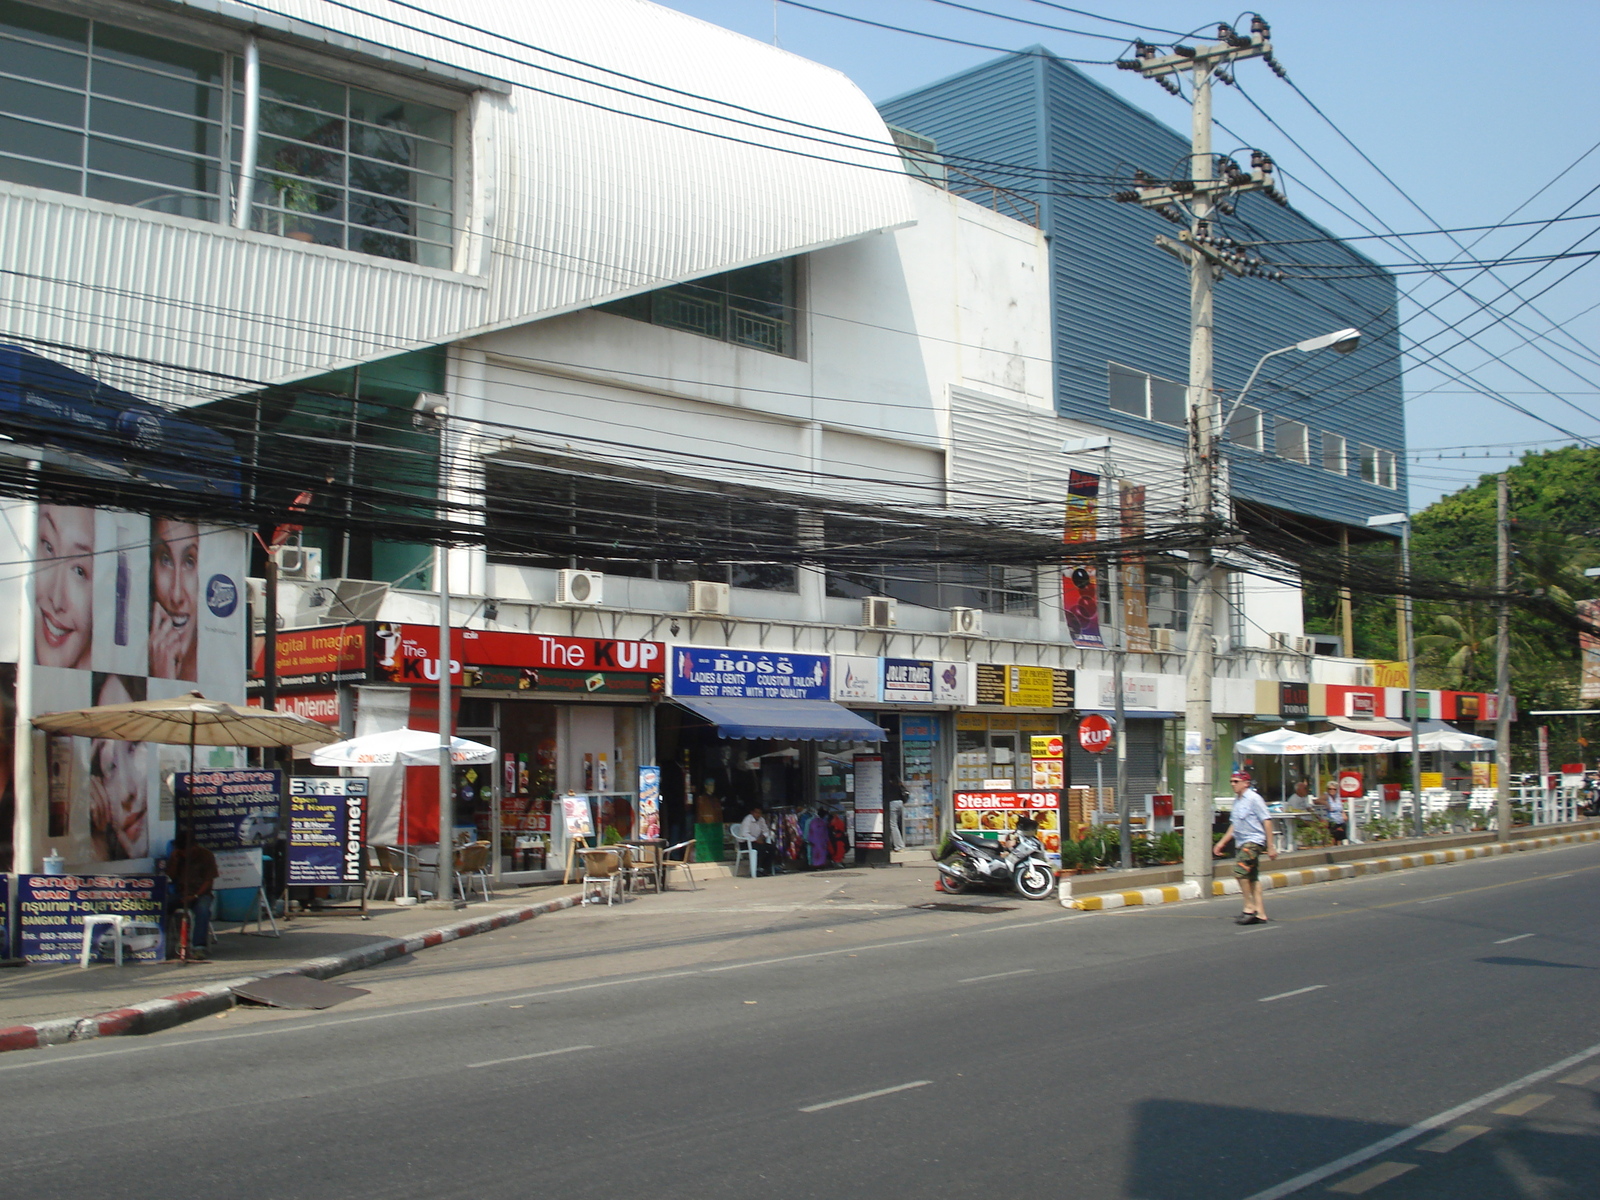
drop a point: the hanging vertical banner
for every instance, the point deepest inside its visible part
(650, 802)
(1589, 651)
(1080, 584)
(1135, 599)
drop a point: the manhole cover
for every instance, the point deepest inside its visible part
(948, 906)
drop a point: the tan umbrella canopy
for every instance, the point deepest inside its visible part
(190, 720)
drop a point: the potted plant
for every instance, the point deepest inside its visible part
(295, 196)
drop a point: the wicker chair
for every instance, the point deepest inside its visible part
(682, 856)
(603, 870)
(472, 863)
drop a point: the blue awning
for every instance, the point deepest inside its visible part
(783, 720)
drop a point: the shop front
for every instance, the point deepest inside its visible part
(758, 729)
(1009, 740)
(564, 714)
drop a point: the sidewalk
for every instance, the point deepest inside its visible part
(52, 1003)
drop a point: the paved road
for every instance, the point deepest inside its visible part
(1429, 1034)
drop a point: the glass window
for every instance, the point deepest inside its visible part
(1167, 597)
(752, 307)
(1369, 463)
(97, 110)
(1386, 469)
(1244, 427)
(1333, 454)
(1128, 391)
(1169, 402)
(1292, 440)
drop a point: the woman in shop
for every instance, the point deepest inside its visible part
(174, 597)
(64, 587)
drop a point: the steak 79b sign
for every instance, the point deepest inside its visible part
(409, 654)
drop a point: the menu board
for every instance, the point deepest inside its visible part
(869, 802)
(327, 829)
(991, 680)
(994, 813)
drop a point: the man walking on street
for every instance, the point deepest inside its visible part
(1250, 831)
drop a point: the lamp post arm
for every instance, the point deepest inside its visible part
(1227, 417)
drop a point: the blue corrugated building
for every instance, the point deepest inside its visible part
(1328, 440)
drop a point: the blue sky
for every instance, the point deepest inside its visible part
(1471, 108)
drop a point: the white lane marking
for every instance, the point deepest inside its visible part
(1254, 929)
(767, 962)
(888, 1091)
(1286, 995)
(1436, 900)
(997, 975)
(1548, 878)
(495, 1062)
(1518, 938)
(1317, 1174)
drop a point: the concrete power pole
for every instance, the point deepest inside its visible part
(1502, 662)
(1191, 203)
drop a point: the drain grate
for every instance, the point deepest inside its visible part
(948, 906)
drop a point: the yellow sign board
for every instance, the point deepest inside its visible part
(1390, 674)
(1030, 687)
(1432, 779)
(1485, 775)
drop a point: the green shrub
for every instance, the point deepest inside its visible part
(1070, 854)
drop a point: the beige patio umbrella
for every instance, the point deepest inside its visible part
(189, 720)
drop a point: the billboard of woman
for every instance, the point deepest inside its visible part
(174, 599)
(64, 587)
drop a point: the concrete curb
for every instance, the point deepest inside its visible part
(1305, 875)
(154, 1015)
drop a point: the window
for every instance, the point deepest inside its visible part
(1167, 597)
(1147, 396)
(679, 530)
(1244, 427)
(920, 155)
(345, 167)
(916, 576)
(93, 109)
(752, 307)
(1378, 466)
(1333, 454)
(1292, 440)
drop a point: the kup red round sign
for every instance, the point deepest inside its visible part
(1094, 734)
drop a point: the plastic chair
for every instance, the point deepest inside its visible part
(603, 869)
(742, 847)
(120, 929)
(472, 862)
(681, 856)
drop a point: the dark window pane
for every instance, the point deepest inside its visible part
(42, 26)
(690, 307)
(58, 179)
(1168, 402)
(152, 197)
(383, 245)
(37, 62)
(392, 113)
(138, 124)
(383, 144)
(766, 577)
(39, 141)
(1127, 391)
(45, 103)
(155, 166)
(309, 162)
(140, 49)
(278, 84)
(280, 121)
(853, 586)
(126, 83)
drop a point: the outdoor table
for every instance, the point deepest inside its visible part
(1288, 816)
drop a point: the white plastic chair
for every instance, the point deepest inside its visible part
(743, 847)
(122, 930)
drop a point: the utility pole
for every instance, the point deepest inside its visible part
(1200, 196)
(1502, 662)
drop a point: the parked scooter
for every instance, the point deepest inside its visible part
(966, 860)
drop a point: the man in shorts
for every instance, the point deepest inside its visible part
(1250, 831)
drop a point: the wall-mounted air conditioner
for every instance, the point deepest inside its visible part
(1280, 641)
(1161, 641)
(298, 562)
(879, 612)
(1305, 645)
(579, 587)
(708, 597)
(966, 620)
(1364, 676)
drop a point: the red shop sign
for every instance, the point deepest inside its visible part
(1094, 733)
(1006, 800)
(410, 653)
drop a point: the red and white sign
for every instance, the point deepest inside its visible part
(410, 653)
(1094, 734)
(1006, 800)
(314, 706)
(1350, 784)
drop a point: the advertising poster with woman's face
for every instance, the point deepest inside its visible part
(125, 607)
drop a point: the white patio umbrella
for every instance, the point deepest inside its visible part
(1280, 741)
(407, 747)
(1450, 741)
(1343, 741)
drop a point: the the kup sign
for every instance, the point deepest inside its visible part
(1094, 733)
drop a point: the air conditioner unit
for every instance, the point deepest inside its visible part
(1161, 641)
(1364, 676)
(708, 597)
(878, 612)
(1280, 641)
(966, 620)
(579, 587)
(298, 562)
(1305, 645)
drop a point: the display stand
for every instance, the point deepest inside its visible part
(578, 822)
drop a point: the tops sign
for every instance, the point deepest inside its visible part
(749, 674)
(409, 654)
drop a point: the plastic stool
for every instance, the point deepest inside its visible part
(120, 927)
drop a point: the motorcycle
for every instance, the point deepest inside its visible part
(966, 860)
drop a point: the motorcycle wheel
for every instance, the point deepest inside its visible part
(1034, 881)
(953, 885)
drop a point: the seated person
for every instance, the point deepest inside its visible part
(755, 830)
(193, 871)
(1300, 799)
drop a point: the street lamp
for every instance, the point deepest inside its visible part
(1404, 521)
(1198, 664)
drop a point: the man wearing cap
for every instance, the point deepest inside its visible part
(1250, 831)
